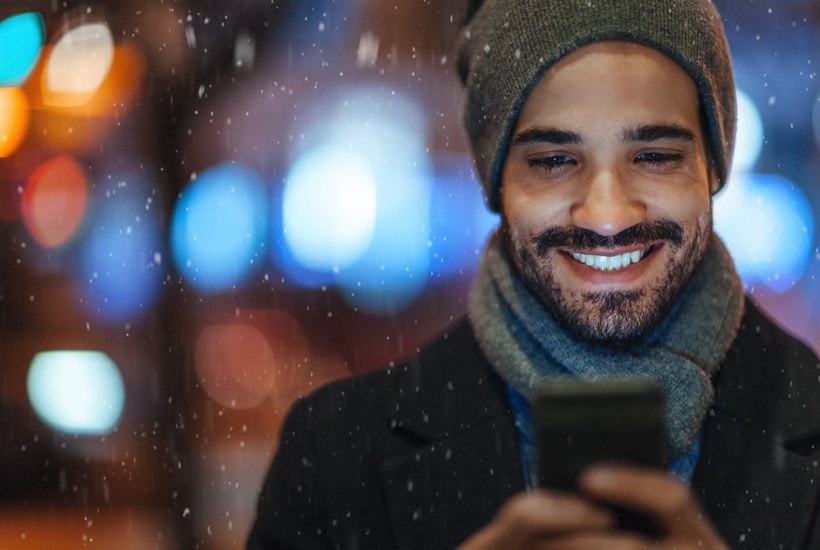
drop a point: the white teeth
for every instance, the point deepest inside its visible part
(610, 263)
(626, 259)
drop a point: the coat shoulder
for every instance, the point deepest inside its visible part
(770, 378)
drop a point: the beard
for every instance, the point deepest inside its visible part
(613, 317)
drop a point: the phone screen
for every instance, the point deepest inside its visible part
(581, 423)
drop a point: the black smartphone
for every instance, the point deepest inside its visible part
(580, 423)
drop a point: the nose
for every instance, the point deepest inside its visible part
(606, 205)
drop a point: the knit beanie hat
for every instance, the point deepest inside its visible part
(506, 45)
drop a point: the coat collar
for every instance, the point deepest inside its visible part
(458, 459)
(460, 391)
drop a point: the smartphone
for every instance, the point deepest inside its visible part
(580, 423)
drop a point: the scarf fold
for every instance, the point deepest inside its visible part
(527, 347)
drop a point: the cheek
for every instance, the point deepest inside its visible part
(517, 242)
(683, 206)
(531, 212)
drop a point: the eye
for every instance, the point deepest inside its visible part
(552, 164)
(658, 159)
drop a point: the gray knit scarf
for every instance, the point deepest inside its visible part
(526, 345)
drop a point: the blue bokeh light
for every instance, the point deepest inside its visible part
(815, 118)
(765, 220)
(768, 226)
(121, 258)
(459, 221)
(394, 270)
(383, 264)
(219, 227)
(78, 392)
(21, 41)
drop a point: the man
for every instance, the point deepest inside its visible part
(600, 131)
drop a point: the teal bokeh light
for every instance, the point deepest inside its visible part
(78, 392)
(21, 41)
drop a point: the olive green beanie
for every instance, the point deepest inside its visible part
(506, 45)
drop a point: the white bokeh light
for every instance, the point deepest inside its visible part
(329, 208)
(749, 136)
(78, 65)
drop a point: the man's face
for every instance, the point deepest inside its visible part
(606, 189)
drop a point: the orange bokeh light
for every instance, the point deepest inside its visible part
(54, 201)
(83, 127)
(240, 363)
(14, 119)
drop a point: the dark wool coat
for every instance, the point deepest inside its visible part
(422, 454)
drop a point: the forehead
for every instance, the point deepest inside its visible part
(613, 84)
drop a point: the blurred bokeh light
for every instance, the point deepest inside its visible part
(54, 201)
(219, 227)
(379, 252)
(768, 225)
(79, 125)
(329, 209)
(235, 365)
(459, 220)
(78, 392)
(815, 117)
(121, 256)
(77, 65)
(765, 220)
(240, 363)
(21, 41)
(14, 119)
(749, 137)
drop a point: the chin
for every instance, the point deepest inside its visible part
(615, 318)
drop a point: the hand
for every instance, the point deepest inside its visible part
(659, 495)
(531, 520)
(545, 519)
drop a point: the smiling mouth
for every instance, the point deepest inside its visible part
(612, 263)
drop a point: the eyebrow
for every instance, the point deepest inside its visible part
(647, 133)
(659, 132)
(546, 135)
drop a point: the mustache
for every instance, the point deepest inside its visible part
(579, 238)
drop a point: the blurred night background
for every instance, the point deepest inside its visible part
(211, 207)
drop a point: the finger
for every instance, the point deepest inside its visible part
(597, 541)
(545, 512)
(529, 517)
(647, 490)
